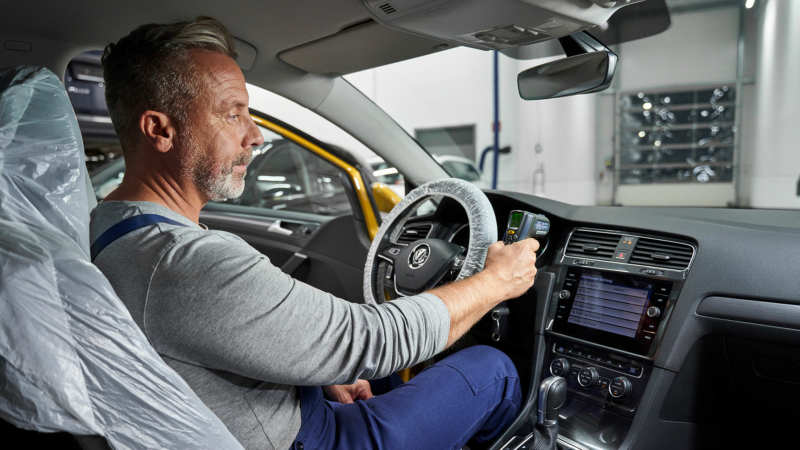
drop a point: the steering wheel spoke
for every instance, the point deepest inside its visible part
(390, 251)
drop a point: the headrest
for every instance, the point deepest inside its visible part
(71, 357)
(41, 152)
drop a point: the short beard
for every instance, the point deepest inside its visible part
(215, 181)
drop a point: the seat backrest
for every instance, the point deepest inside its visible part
(71, 357)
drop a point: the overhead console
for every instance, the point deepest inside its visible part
(493, 24)
(613, 298)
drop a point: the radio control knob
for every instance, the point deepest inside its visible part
(588, 377)
(559, 367)
(564, 295)
(620, 388)
(653, 312)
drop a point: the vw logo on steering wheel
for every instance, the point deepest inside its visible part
(419, 256)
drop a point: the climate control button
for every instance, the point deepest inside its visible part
(559, 367)
(588, 377)
(620, 388)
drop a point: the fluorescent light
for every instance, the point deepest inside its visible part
(749, 3)
(271, 178)
(382, 172)
(647, 105)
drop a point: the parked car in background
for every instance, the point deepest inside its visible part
(455, 166)
(463, 168)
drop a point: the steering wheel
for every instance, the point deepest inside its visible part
(421, 265)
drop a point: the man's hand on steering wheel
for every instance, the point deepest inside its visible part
(488, 274)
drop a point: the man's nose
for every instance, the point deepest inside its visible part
(253, 137)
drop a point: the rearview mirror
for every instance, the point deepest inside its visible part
(579, 74)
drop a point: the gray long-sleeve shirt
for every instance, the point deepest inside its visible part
(242, 333)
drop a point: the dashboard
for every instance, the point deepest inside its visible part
(651, 320)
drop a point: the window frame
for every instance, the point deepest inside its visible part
(363, 205)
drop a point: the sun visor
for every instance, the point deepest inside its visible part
(71, 357)
(493, 24)
(359, 48)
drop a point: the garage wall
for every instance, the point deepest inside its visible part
(701, 48)
(772, 173)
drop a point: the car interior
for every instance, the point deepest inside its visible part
(702, 341)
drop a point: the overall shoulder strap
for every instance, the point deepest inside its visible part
(125, 227)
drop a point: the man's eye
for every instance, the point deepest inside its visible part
(234, 117)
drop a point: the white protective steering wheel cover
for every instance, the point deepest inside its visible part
(482, 225)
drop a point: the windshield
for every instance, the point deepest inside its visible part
(702, 114)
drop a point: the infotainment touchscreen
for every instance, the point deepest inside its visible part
(611, 309)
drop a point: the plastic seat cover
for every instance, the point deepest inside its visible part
(71, 357)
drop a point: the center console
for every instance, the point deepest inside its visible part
(612, 301)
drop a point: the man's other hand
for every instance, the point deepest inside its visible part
(512, 266)
(349, 393)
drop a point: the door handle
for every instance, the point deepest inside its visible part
(275, 227)
(293, 263)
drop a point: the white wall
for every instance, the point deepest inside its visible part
(699, 48)
(774, 170)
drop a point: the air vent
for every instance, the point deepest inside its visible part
(414, 232)
(665, 254)
(591, 244)
(387, 8)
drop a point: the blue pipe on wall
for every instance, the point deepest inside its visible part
(496, 126)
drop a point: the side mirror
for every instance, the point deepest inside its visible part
(588, 67)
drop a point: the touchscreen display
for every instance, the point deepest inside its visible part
(610, 309)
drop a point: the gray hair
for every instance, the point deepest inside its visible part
(152, 69)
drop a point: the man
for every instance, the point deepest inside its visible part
(239, 331)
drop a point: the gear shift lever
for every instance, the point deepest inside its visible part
(552, 395)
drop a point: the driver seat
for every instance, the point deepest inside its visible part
(72, 361)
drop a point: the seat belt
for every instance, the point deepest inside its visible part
(126, 226)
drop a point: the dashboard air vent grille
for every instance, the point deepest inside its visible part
(591, 244)
(414, 232)
(387, 8)
(665, 254)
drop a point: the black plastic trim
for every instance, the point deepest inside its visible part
(758, 312)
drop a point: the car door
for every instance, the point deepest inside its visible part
(305, 208)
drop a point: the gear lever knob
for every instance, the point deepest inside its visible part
(552, 395)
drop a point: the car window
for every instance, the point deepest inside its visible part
(106, 178)
(289, 177)
(281, 175)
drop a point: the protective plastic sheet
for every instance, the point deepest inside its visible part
(71, 357)
(482, 225)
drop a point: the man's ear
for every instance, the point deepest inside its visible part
(158, 130)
